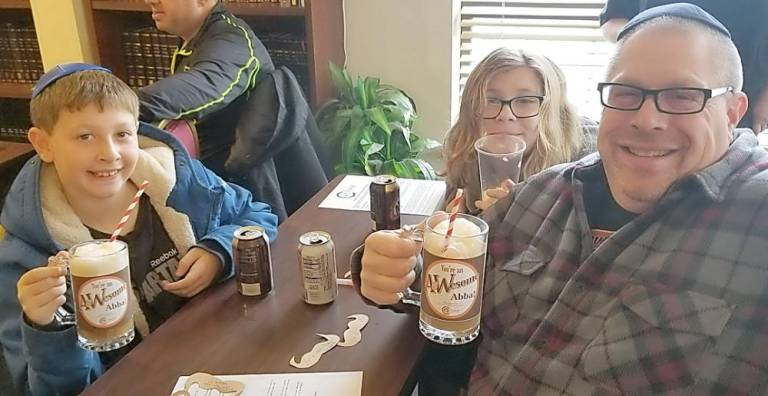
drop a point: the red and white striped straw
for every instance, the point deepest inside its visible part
(128, 211)
(454, 204)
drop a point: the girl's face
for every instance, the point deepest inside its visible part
(521, 85)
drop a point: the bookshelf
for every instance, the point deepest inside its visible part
(18, 4)
(236, 8)
(15, 15)
(320, 24)
(11, 90)
(19, 65)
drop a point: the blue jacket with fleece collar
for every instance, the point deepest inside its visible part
(196, 207)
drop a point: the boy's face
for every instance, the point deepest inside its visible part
(94, 152)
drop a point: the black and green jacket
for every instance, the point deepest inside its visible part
(209, 73)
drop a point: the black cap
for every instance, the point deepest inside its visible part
(680, 10)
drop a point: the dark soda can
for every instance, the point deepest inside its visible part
(253, 262)
(317, 265)
(385, 203)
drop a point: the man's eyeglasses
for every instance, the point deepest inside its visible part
(668, 100)
(521, 106)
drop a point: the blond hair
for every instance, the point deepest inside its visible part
(78, 90)
(559, 133)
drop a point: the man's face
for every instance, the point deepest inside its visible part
(179, 17)
(646, 151)
(94, 152)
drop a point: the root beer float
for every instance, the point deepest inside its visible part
(452, 279)
(101, 283)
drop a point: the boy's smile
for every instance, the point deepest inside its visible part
(94, 151)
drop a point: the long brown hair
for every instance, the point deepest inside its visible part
(559, 133)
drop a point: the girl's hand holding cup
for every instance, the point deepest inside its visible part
(492, 195)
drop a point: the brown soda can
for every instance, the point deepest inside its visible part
(385, 203)
(317, 265)
(253, 261)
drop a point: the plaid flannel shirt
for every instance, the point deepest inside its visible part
(675, 302)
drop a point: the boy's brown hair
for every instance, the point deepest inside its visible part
(76, 91)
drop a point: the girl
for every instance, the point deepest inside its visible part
(518, 93)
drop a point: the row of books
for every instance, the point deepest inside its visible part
(148, 54)
(290, 50)
(14, 119)
(13, 134)
(20, 60)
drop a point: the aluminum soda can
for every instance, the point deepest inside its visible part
(253, 261)
(385, 203)
(317, 265)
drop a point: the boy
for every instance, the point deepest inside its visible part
(92, 154)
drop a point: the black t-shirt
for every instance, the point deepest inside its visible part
(604, 214)
(744, 19)
(153, 259)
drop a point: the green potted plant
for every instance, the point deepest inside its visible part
(369, 125)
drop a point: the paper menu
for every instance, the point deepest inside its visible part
(417, 197)
(344, 383)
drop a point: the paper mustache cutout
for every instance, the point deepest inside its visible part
(310, 358)
(208, 382)
(353, 335)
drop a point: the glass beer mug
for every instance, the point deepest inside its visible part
(101, 285)
(451, 279)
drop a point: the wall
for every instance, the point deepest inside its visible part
(408, 44)
(64, 31)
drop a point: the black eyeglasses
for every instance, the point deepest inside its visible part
(668, 100)
(521, 106)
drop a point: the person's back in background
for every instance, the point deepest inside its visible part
(220, 60)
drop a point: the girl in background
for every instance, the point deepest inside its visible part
(518, 93)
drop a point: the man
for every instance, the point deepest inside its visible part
(220, 60)
(673, 300)
(744, 19)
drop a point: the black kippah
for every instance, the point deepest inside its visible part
(680, 10)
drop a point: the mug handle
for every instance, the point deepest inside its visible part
(63, 316)
(414, 232)
(410, 297)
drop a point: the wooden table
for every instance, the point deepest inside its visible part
(222, 332)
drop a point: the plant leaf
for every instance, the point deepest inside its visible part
(400, 147)
(377, 116)
(341, 81)
(370, 125)
(374, 167)
(360, 97)
(357, 119)
(405, 131)
(424, 168)
(372, 90)
(349, 149)
(389, 95)
(374, 148)
(419, 145)
(340, 169)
